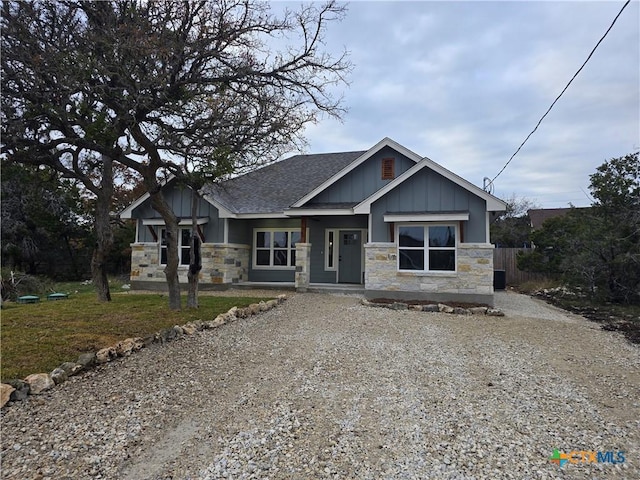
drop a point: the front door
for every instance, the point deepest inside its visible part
(350, 256)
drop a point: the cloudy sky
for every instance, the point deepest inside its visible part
(464, 83)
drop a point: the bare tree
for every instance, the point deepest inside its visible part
(190, 90)
(50, 116)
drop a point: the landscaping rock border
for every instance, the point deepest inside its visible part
(16, 390)
(437, 308)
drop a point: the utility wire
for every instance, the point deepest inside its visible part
(563, 90)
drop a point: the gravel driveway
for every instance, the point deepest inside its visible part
(323, 387)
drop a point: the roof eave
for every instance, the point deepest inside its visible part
(310, 212)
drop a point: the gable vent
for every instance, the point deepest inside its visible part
(388, 169)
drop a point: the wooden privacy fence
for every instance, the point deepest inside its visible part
(505, 259)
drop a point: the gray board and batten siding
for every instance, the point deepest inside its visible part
(317, 228)
(242, 232)
(427, 191)
(179, 200)
(363, 181)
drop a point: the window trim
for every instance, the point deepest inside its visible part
(180, 246)
(271, 266)
(426, 248)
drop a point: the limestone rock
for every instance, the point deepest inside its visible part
(263, 306)
(415, 308)
(431, 308)
(445, 308)
(399, 306)
(199, 324)
(272, 304)
(254, 308)
(87, 360)
(21, 390)
(105, 355)
(166, 335)
(59, 376)
(478, 310)
(461, 311)
(219, 320)
(5, 393)
(495, 312)
(128, 346)
(71, 368)
(189, 329)
(39, 383)
(124, 347)
(228, 318)
(281, 298)
(178, 331)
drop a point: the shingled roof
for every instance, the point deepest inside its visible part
(276, 187)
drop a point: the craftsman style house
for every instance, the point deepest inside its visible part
(397, 224)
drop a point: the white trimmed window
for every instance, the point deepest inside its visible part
(184, 246)
(427, 248)
(275, 248)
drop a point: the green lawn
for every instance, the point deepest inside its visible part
(39, 337)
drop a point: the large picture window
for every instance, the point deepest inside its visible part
(427, 248)
(184, 246)
(275, 248)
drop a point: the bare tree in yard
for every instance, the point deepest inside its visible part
(51, 116)
(189, 90)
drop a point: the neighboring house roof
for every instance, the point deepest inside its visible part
(540, 215)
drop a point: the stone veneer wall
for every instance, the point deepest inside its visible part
(225, 263)
(303, 266)
(222, 264)
(473, 281)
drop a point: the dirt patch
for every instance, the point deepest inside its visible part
(618, 318)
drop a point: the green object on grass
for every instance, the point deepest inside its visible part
(28, 299)
(57, 296)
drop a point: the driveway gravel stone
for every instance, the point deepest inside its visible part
(324, 387)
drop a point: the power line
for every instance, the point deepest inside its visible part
(563, 90)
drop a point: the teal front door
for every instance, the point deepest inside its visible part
(350, 256)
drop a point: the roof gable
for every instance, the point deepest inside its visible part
(385, 142)
(493, 203)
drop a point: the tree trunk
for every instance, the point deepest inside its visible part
(195, 259)
(103, 232)
(161, 206)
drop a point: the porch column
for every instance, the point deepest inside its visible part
(303, 229)
(303, 266)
